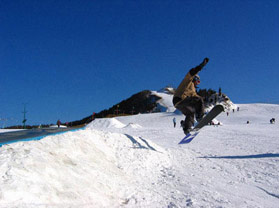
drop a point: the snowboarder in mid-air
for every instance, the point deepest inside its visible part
(187, 100)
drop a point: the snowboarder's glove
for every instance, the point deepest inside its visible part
(195, 70)
(205, 61)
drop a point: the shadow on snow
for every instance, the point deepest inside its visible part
(138, 145)
(267, 155)
(269, 193)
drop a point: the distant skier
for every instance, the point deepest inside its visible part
(187, 100)
(93, 116)
(272, 121)
(174, 122)
(58, 123)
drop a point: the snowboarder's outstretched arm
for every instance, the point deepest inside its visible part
(195, 70)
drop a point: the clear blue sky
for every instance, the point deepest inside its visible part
(67, 59)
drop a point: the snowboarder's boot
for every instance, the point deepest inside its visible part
(186, 131)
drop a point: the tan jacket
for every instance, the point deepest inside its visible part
(186, 88)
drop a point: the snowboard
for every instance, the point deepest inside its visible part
(215, 111)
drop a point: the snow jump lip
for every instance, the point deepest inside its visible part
(32, 134)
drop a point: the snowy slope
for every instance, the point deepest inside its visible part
(135, 161)
(165, 104)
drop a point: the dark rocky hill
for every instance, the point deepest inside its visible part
(142, 102)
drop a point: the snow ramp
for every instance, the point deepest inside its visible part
(105, 123)
(86, 168)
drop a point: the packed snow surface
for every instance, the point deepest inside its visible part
(10, 130)
(165, 103)
(136, 161)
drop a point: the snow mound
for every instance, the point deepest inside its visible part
(105, 123)
(56, 126)
(87, 168)
(133, 126)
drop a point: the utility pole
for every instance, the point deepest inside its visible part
(24, 117)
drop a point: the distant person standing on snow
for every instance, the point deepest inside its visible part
(187, 100)
(272, 121)
(174, 122)
(58, 123)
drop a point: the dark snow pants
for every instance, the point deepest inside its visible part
(189, 107)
